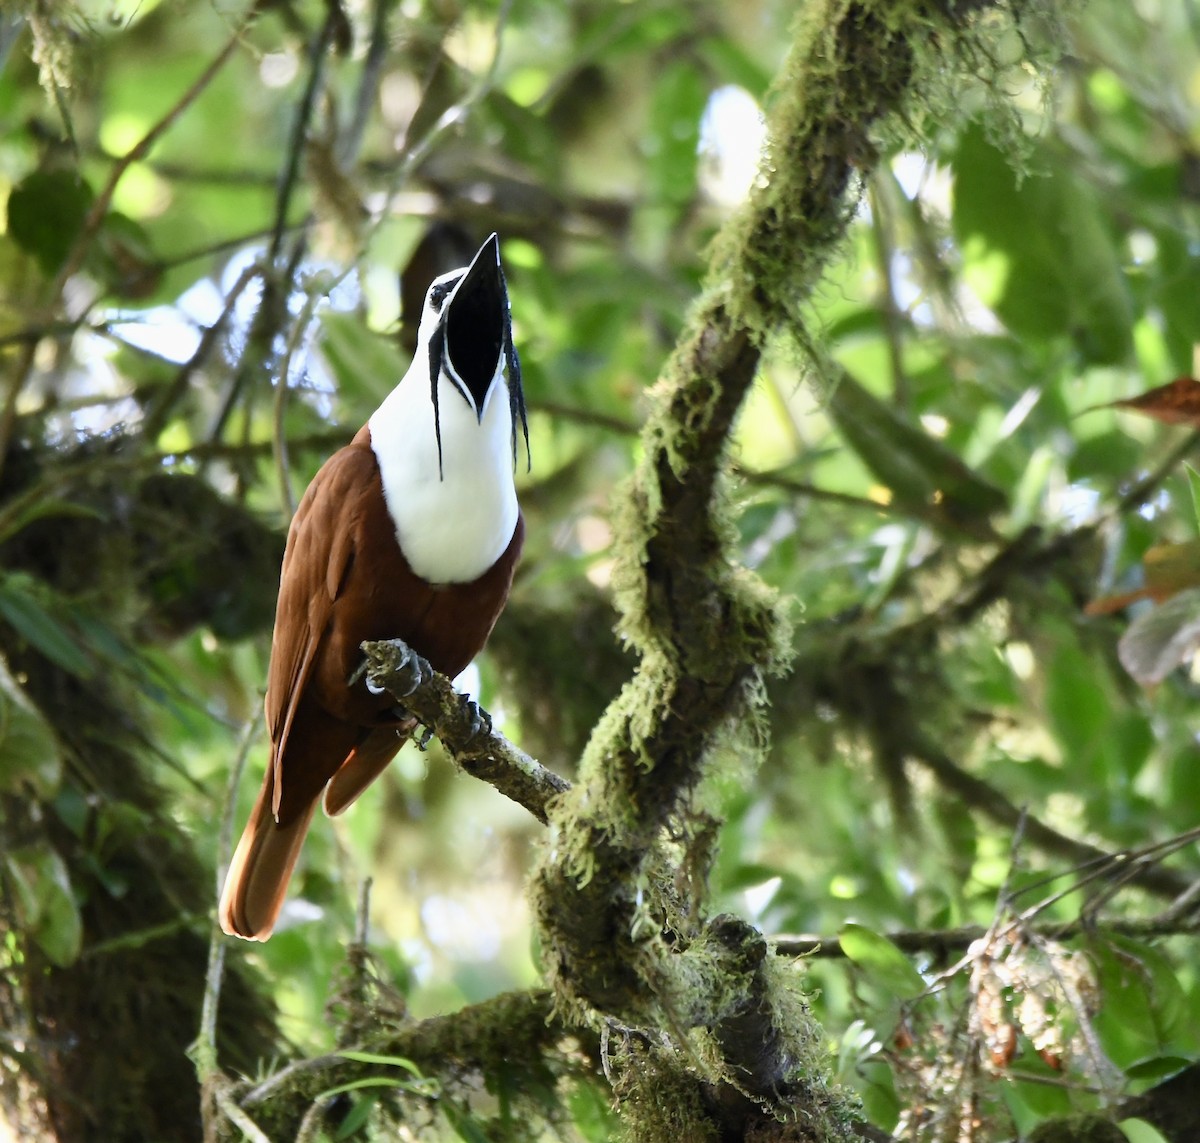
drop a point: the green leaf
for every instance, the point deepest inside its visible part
(373, 1081)
(882, 961)
(1193, 478)
(1076, 700)
(386, 1061)
(467, 1126)
(1139, 1131)
(1039, 251)
(46, 211)
(918, 468)
(356, 1117)
(591, 1115)
(21, 605)
(1032, 1095)
(367, 367)
(671, 146)
(46, 903)
(876, 1085)
(735, 65)
(29, 751)
(39, 508)
(1143, 1008)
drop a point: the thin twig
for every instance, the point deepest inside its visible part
(205, 1048)
(893, 315)
(1148, 485)
(157, 413)
(827, 946)
(239, 1118)
(454, 115)
(311, 1123)
(368, 85)
(318, 51)
(136, 153)
(1169, 922)
(992, 802)
(765, 479)
(91, 225)
(282, 1078)
(282, 389)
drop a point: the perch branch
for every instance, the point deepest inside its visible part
(471, 741)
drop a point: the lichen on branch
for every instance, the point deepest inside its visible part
(622, 932)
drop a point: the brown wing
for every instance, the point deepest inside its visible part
(310, 737)
(344, 580)
(308, 743)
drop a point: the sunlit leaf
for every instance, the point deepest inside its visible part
(1052, 264)
(881, 960)
(1139, 1131)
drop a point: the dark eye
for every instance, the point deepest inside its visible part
(439, 293)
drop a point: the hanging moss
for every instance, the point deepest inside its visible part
(708, 633)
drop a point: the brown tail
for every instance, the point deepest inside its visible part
(261, 868)
(364, 764)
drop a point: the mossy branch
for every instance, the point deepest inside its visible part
(615, 938)
(462, 728)
(513, 1035)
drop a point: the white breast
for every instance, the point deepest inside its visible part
(451, 527)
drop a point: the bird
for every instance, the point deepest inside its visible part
(411, 531)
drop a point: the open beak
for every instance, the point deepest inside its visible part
(476, 324)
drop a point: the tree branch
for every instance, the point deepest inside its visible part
(515, 1038)
(942, 942)
(708, 634)
(462, 728)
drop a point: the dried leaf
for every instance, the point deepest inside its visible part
(1175, 403)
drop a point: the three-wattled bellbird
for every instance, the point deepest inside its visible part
(411, 531)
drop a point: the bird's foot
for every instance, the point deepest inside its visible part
(409, 673)
(423, 739)
(480, 720)
(416, 671)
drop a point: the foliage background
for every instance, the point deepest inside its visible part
(927, 472)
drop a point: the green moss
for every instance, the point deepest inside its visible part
(660, 1098)
(866, 78)
(620, 892)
